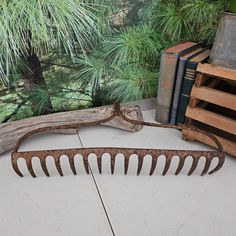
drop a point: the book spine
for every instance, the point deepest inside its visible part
(189, 79)
(177, 90)
(165, 86)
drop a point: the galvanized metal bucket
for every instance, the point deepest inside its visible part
(224, 48)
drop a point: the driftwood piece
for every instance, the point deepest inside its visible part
(10, 132)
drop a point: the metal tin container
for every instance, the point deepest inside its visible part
(224, 48)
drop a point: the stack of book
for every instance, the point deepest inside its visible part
(177, 76)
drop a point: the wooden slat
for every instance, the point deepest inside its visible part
(212, 119)
(195, 102)
(215, 96)
(217, 71)
(200, 79)
(228, 146)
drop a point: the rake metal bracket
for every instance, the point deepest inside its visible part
(127, 152)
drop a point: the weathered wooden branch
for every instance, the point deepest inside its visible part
(10, 132)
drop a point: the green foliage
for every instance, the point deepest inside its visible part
(91, 71)
(44, 26)
(39, 97)
(132, 45)
(232, 6)
(104, 10)
(132, 83)
(24, 112)
(64, 89)
(86, 55)
(186, 19)
(171, 19)
(133, 57)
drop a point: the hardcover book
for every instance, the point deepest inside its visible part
(169, 61)
(189, 79)
(179, 81)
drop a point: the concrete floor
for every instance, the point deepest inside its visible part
(117, 204)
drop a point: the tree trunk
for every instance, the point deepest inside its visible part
(96, 97)
(32, 75)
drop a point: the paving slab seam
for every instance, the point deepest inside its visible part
(99, 193)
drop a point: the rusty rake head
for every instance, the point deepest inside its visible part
(113, 152)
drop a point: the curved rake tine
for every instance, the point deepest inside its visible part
(99, 163)
(113, 159)
(153, 166)
(44, 166)
(86, 164)
(58, 165)
(72, 164)
(15, 167)
(219, 165)
(194, 165)
(207, 166)
(126, 163)
(30, 167)
(140, 164)
(181, 165)
(167, 165)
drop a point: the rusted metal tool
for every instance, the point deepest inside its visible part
(127, 152)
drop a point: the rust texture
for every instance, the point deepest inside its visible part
(126, 152)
